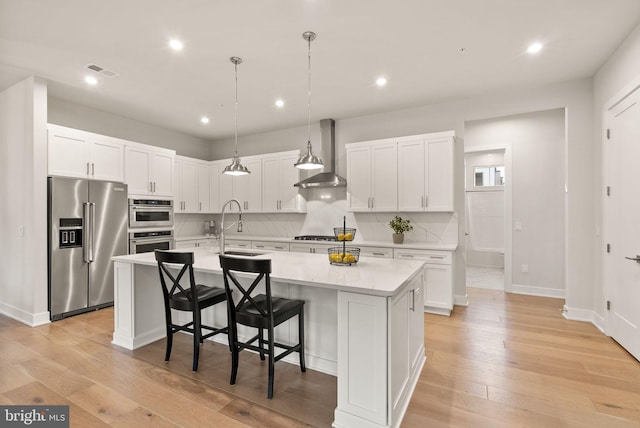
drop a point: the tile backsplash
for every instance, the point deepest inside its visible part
(325, 210)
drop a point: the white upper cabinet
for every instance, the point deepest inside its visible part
(425, 173)
(204, 191)
(247, 189)
(372, 176)
(74, 153)
(215, 171)
(149, 170)
(185, 185)
(278, 177)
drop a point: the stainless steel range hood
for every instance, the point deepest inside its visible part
(328, 149)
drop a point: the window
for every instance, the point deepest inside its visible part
(488, 176)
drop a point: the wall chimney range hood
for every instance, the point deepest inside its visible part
(328, 148)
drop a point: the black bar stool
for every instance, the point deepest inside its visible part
(261, 311)
(182, 298)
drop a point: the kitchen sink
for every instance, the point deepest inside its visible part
(242, 253)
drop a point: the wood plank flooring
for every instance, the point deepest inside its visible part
(504, 361)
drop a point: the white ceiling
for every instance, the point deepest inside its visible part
(429, 50)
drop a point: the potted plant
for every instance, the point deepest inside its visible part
(399, 226)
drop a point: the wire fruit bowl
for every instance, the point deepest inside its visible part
(344, 256)
(344, 233)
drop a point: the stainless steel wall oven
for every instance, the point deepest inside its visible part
(150, 240)
(150, 213)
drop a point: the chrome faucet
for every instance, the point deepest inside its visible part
(222, 222)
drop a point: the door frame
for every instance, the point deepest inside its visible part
(608, 172)
(508, 208)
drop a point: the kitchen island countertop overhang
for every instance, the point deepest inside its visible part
(364, 323)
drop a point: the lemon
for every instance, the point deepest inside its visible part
(348, 236)
(341, 237)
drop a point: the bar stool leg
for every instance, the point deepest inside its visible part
(303, 367)
(271, 362)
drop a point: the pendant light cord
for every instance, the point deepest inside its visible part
(309, 93)
(235, 152)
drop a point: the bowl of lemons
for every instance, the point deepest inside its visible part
(343, 255)
(344, 233)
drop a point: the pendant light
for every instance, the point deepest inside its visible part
(309, 160)
(236, 168)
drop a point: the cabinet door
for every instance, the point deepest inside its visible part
(107, 160)
(399, 366)
(411, 175)
(138, 171)
(438, 292)
(214, 188)
(190, 187)
(226, 188)
(204, 191)
(439, 175)
(416, 323)
(186, 244)
(384, 177)
(359, 179)
(289, 175)
(178, 205)
(271, 184)
(253, 194)
(301, 248)
(68, 156)
(162, 173)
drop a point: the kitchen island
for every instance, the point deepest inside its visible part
(363, 323)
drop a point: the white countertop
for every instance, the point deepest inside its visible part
(374, 276)
(406, 245)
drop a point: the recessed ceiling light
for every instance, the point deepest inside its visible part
(381, 81)
(90, 80)
(204, 120)
(534, 48)
(175, 44)
(279, 103)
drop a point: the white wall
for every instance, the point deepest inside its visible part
(23, 192)
(76, 116)
(620, 70)
(537, 142)
(576, 96)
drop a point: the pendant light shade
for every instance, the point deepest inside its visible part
(309, 160)
(235, 167)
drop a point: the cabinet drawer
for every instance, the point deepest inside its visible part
(376, 252)
(431, 256)
(272, 246)
(237, 243)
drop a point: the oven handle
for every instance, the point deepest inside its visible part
(149, 241)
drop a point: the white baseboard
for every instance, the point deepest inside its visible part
(538, 291)
(585, 315)
(32, 320)
(461, 300)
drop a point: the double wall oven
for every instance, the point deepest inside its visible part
(150, 225)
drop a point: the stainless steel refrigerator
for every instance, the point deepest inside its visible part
(87, 226)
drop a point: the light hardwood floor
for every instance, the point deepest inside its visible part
(504, 361)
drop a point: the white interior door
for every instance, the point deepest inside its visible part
(623, 216)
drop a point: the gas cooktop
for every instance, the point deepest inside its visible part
(316, 238)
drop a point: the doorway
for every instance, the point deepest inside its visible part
(486, 213)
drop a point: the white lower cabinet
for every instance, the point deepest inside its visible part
(270, 245)
(191, 243)
(438, 278)
(312, 248)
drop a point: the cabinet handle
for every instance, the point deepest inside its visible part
(407, 255)
(279, 248)
(436, 257)
(199, 206)
(93, 169)
(413, 299)
(87, 168)
(150, 186)
(422, 201)
(426, 201)
(378, 254)
(372, 202)
(259, 246)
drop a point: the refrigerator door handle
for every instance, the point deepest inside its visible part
(92, 211)
(86, 232)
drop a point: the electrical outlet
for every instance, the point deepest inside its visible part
(525, 268)
(21, 231)
(518, 225)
